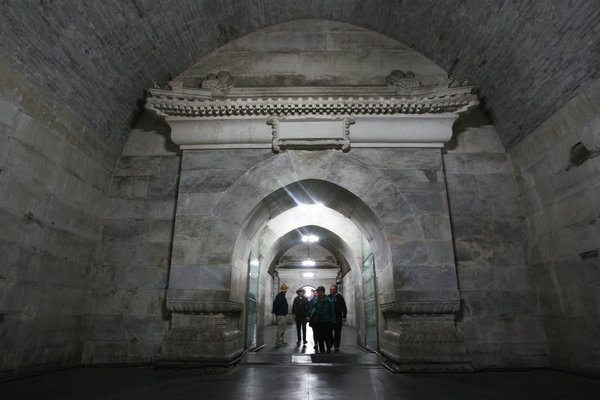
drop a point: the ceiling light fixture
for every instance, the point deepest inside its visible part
(310, 238)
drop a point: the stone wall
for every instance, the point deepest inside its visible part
(54, 176)
(128, 315)
(562, 217)
(499, 316)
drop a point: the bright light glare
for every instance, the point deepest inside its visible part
(310, 238)
(254, 263)
(308, 274)
(308, 263)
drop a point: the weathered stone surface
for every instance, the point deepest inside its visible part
(231, 160)
(310, 164)
(560, 214)
(272, 174)
(490, 249)
(50, 202)
(207, 181)
(424, 277)
(351, 174)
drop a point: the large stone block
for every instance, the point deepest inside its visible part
(310, 164)
(500, 302)
(137, 166)
(440, 252)
(351, 174)
(480, 140)
(389, 202)
(165, 184)
(207, 181)
(424, 278)
(406, 230)
(400, 159)
(436, 227)
(124, 231)
(213, 277)
(474, 275)
(271, 175)
(196, 203)
(237, 203)
(410, 252)
(231, 160)
(141, 277)
(433, 202)
(413, 180)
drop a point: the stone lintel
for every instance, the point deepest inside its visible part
(318, 132)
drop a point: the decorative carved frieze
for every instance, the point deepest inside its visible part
(421, 307)
(204, 307)
(170, 104)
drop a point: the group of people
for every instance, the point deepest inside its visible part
(325, 314)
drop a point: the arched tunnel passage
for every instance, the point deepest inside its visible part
(346, 227)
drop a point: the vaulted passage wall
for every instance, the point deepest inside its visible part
(54, 175)
(562, 216)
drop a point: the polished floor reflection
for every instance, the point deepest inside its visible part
(293, 372)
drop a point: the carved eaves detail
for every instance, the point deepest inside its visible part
(171, 104)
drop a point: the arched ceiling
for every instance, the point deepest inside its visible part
(95, 58)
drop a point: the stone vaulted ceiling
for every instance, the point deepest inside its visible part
(96, 58)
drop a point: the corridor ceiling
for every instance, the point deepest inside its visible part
(95, 58)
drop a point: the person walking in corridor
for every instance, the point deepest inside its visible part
(322, 316)
(339, 304)
(314, 298)
(299, 313)
(280, 309)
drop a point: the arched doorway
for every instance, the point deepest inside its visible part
(369, 145)
(310, 207)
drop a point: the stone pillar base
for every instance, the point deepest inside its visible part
(202, 340)
(424, 343)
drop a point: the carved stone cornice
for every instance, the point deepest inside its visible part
(204, 307)
(402, 113)
(421, 307)
(197, 103)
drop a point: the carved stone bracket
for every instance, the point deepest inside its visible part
(403, 83)
(218, 84)
(311, 133)
(421, 307)
(204, 307)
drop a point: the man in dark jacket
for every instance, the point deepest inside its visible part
(299, 313)
(280, 309)
(339, 305)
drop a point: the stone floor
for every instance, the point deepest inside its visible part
(293, 372)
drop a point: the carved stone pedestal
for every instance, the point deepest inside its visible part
(203, 340)
(423, 343)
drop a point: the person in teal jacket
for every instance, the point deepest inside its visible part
(322, 318)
